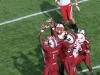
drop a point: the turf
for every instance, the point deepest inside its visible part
(20, 52)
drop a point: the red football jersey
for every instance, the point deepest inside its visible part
(68, 51)
(51, 54)
(83, 46)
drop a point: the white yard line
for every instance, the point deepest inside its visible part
(35, 14)
(85, 70)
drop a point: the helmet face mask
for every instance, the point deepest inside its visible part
(69, 38)
(59, 28)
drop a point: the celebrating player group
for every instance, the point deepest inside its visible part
(71, 48)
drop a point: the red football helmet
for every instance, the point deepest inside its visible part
(80, 31)
(69, 38)
(52, 43)
(80, 38)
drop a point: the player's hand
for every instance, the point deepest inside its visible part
(77, 7)
(51, 23)
(49, 20)
(87, 51)
(57, 2)
(43, 26)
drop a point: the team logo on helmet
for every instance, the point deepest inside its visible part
(80, 38)
(80, 31)
(52, 43)
(69, 38)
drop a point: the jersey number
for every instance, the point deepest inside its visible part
(53, 56)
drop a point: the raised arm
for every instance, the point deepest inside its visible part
(53, 30)
(88, 47)
(76, 3)
(43, 27)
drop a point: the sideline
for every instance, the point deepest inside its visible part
(35, 14)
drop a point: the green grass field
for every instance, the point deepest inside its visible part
(20, 52)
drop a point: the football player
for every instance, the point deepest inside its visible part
(77, 46)
(69, 61)
(84, 53)
(66, 10)
(60, 30)
(51, 50)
